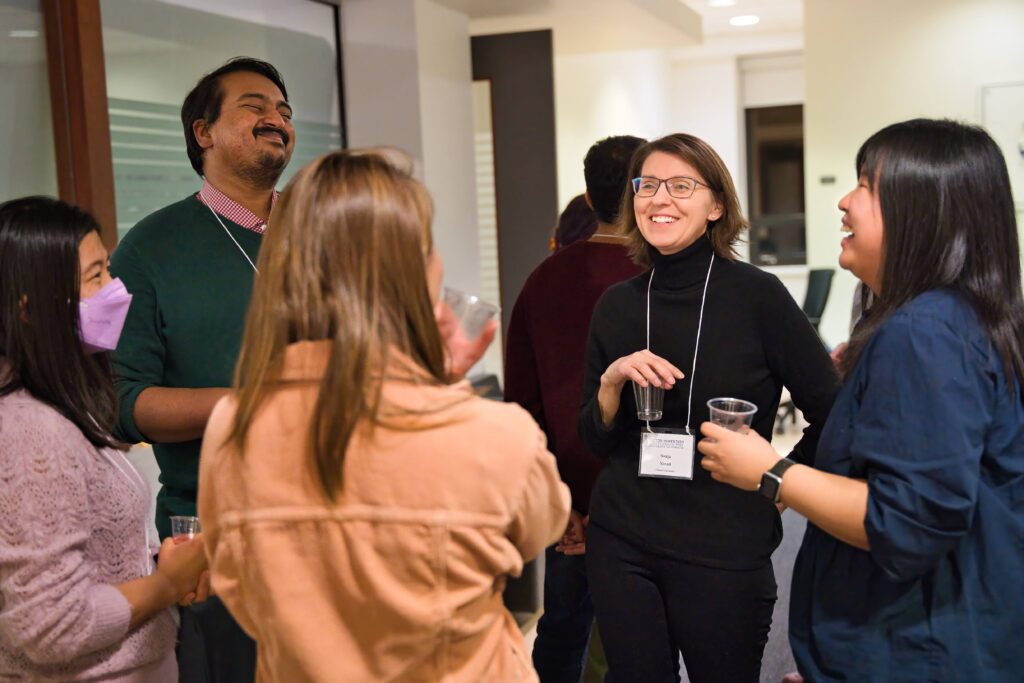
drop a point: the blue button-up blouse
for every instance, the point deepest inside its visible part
(928, 419)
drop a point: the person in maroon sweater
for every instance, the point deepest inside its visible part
(544, 363)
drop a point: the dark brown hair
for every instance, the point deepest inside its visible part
(724, 232)
(948, 223)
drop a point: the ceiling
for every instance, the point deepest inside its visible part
(581, 26)
(776, 16)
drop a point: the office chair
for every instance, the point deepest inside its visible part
(819, 284)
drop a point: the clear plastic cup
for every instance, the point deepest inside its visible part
(734, 414)
(649, 402)
(184, 527)
(472, 312)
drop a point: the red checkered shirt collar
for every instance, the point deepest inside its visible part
(232, 210)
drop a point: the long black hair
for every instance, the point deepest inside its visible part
(39, 290)
(948, 222)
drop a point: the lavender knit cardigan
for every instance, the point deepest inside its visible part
(72, 525)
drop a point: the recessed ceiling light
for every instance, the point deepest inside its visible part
(721, 3)
(23, 34)
(745, 20)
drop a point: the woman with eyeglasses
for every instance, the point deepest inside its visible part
(912, 568)
(678, 562)
(80, 597)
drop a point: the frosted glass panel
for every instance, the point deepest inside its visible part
(156, 51)
(27, 165)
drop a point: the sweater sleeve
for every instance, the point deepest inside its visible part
(798, 359)
(522, 382)
(601, 439)
(138, 361)
(540, 516)
(920, 436)
(51, 608)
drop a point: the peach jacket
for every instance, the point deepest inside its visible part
(401, 578)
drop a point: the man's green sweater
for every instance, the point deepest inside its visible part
(191, 288)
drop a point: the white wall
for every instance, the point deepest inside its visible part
(602, 94)
(382, 79)
(651, 93)
(446, 124)
(875, 62)
(706, 102)
(408, 83)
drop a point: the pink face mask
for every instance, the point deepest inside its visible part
(101, 317)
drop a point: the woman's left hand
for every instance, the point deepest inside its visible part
(735, 458)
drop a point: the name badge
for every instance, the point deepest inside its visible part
(666, 453)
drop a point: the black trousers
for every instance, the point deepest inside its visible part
(212, 647)
(650, 608)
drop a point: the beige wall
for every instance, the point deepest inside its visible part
(874, 62)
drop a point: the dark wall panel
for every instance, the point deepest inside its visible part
(520, 68)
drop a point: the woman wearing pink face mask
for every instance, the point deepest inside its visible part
(80, 596)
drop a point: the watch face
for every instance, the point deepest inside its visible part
(770, 485)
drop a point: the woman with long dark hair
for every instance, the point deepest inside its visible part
(912, 565)
(80, 597)
(361, 512)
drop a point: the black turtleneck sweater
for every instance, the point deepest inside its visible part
(754, 340)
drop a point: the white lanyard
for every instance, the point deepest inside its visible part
(696, 344)
(136, 482)
(229, 233)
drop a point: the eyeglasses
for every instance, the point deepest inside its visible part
(680, 187)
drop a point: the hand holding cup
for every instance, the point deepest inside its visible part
(467, 328)
(181, 564)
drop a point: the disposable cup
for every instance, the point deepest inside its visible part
(184, 527)
(472, 312)
(734, 414)
(649, 402)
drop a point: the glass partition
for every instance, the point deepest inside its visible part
(26, 125)
(156, 50)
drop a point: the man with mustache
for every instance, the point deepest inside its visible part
(190, 268)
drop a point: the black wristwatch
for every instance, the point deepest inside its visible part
(771, 481)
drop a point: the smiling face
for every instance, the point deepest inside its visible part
(94, 264)
(863, 244)
(667, 223)
(253, 137)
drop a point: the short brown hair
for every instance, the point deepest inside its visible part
(724, 232)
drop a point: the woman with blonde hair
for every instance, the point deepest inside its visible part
(361, 512)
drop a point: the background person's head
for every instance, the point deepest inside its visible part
(347, 262)
(933, 209)
(606, 173)
(576, 222)
(702, 201)
(237, 120)
(50, 256)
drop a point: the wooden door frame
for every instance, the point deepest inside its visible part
(78, 99)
